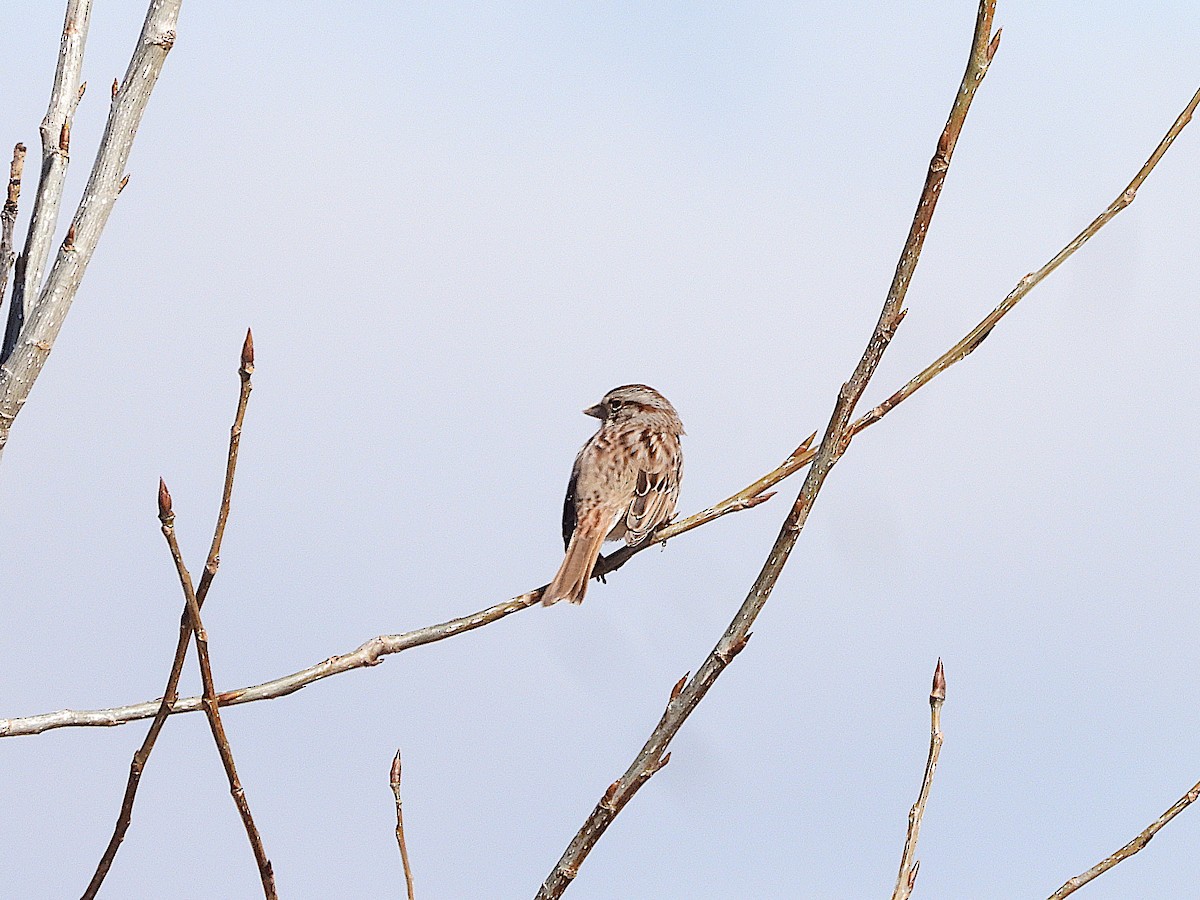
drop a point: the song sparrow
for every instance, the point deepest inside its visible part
(624, 483)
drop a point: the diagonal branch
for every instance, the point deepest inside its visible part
(908, 862)
(370, 652)
(1074, 884)
(166, 706)
(688, 694)
(167, 517)
(45, 314)
(56, 146)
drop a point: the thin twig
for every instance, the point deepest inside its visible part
(908, 862)
(8, 217)
(166, 706)
(46, 310)
(370, 652)
(167, 516)
(1129, 849)
(688, 694)
(56, 140)
(395, 780)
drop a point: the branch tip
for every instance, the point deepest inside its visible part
(248, 352)
(938, 693)
(164, 501)
(395, 776)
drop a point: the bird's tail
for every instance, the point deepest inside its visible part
(572, 579)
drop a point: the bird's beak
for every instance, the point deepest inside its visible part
(596, 411)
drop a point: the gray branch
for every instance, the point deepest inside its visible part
(56, 145)
(45, 319)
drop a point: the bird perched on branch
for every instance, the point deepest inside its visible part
(624, 483)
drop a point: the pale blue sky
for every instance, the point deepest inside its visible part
(452, 226)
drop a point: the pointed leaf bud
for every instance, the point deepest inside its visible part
(164, 500)
(938, 694)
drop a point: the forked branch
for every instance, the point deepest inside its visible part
(44, 307)
(687, 696)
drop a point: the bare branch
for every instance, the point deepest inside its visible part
(8, 216)
(166, 706)
(833, 445)
(45, 316)
(908, 863)
(167, 517)
(56, 137)
(395, 781)
(1129, 849)
(370, 652)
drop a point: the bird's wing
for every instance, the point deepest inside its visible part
(653, 501)
(569, 515)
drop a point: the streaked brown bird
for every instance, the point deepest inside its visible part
(624, 483)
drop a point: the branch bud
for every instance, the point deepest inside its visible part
(678, 689)
(69, 240)
(115, 88)
(938, 694)
(64, 136)
(248, 353)
(396, 770)
(164, 501)
(121, 186)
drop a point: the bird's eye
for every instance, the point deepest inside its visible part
(615, 403)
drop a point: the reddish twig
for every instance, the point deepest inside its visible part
(395, 781)
(167, 705)
(687, 696)
(908, 862)
(166, 515)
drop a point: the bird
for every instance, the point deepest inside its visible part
(623, 485)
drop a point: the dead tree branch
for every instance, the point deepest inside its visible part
(45, 309)
(167, 516)
(166, 706)
(908, 861)
(1129, 849)
(395, 781)
(687, 696)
